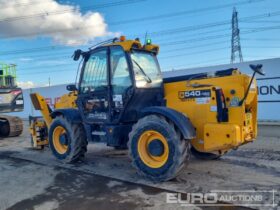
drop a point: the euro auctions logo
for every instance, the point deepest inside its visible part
(192, 198)
(249, 198)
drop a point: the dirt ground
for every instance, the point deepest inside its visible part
(32, 179)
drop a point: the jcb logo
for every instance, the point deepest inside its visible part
(181, 94)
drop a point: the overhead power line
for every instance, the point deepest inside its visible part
(157, 33)
(262, 47)
(219, 36)
(193, 53)
(261, 39)
(47, 72)
(162, 58)
(168, 44)
(67, 55)
(201, 63)
(187, 12)
(195, 63)
(150, 18)
(209, 25)
(44, 14)
(31, 50)
(20, 4)
(188, 47)
(59, 47)
(36, 2)
(262, 21)
(167, 54)
(175, 30)
(179, 42)
(178, 36)
(164, 69)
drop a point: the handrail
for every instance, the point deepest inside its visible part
(7, 74)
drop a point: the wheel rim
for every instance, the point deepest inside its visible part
(60, 140)
(153, 149)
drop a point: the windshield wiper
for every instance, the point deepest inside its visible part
(147, 78)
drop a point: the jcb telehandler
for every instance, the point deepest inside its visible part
(122, 100)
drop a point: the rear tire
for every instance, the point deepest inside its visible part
(4, 129)
(167, 156)
(204, 155)
(67, 140)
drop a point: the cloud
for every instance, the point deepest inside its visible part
(65, 24)
(26, 85)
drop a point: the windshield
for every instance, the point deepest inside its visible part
(146, 69)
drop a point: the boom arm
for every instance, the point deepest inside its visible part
(40, 103)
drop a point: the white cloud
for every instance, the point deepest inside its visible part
(26, 85)
(69, 28)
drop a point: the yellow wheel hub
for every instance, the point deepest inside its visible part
(59, 140)
(153, 149)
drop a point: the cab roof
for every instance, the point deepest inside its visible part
(128, 45)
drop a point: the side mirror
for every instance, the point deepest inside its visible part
(71, 87)
(77, 54)
(257, 68)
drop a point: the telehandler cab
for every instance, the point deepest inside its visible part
(122, 100)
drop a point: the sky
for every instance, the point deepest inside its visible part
(41, 36)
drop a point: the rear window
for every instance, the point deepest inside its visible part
(6, 98)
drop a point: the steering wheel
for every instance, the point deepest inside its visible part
(257, 68)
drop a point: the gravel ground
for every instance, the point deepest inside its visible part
(36, 179)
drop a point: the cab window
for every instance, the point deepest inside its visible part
(146, 69)
(95, 72)
(119, 70)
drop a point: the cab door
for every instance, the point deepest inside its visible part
(93, 97)
(121, 82)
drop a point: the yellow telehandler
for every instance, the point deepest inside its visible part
(121, 99)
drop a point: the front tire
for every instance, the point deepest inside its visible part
(67, 140)
(158, 151)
